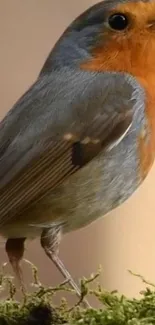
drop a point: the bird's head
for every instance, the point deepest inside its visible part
(125, 40)
(113, 35)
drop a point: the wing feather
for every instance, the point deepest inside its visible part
(62, 122)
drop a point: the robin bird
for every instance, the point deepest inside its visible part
(81, 140)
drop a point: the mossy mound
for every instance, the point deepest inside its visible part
(37, 308)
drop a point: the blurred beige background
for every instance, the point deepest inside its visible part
(123, 240)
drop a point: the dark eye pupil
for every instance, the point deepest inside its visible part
(118, 21)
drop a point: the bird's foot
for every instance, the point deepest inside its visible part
(68, 279)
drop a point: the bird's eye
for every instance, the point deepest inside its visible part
(118, 21)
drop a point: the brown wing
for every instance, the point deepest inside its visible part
(39, 156)
(52, 167)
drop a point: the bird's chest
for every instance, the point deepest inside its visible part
(147, 135)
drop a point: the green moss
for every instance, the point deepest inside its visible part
(37, 308)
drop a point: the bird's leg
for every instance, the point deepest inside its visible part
(15, 251)
(50, 240)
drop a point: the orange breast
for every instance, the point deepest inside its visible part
(147, 147)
